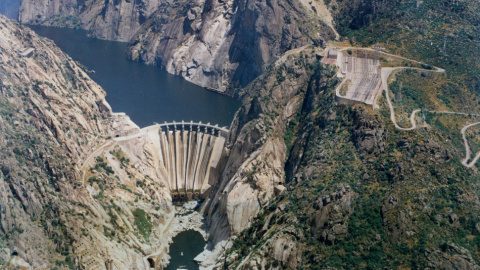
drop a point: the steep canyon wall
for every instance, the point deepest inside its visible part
(215, 44)
(52, 116)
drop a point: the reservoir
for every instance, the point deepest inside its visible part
(185, 247)
(147, 94)
(10, 8)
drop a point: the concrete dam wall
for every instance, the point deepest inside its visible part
(190, 158)
(185, 157)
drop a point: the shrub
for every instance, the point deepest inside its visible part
(142, 220)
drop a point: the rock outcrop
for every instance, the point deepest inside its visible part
(450, 256)
(54, 208)
(215, 44)
(111, 20)
(220, 43)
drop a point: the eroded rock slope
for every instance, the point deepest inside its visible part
(111, 20)
(53, 212)
(216, 44)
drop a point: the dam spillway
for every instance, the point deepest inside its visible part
(185, 157)
(190, 155)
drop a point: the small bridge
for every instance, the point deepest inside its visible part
(196, 126)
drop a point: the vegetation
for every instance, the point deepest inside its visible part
(142, 220)
(101, 165)
(409, 191)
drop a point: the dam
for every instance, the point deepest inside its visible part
(186, 157)
(190, 159)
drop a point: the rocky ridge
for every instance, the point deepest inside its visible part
(54, 213)
(217, 44)
(111, 20)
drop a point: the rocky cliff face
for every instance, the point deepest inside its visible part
(220, 43)
(38, 11)
(56, 210)
(216, 44)
(111, 20)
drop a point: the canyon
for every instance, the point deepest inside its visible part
(218, 45)
(297, 180)
(105, 197)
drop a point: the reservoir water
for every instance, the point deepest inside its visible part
(185, 247)
(10, 8)
(147, 94)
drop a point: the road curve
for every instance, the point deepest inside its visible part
(385, 74)
(467, 148)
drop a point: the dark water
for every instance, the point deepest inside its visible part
(10, 8)
(191, 243)
(146, 93)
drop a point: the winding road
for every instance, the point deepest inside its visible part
(385, 74)
(467, 148)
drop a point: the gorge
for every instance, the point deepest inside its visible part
(188, 151)
(296, 172)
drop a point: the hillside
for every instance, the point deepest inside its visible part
(361, 193)
(52, 115)
(308, 183)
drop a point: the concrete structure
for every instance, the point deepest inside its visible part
(362, 72)
(191, 157)
(188, 156)
(330, 56)
(27, 52)
(84, 259)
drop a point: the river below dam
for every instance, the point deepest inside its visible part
(185, 247)
(147, 94)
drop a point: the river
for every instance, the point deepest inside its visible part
(185, 247)
(147, 94)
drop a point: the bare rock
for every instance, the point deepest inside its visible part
(451, 256)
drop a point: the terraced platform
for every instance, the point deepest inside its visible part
(363, 72)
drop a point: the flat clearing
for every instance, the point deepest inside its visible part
(362, 68)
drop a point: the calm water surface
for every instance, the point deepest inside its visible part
(9, 8)
(147, 94)
(185, 247)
